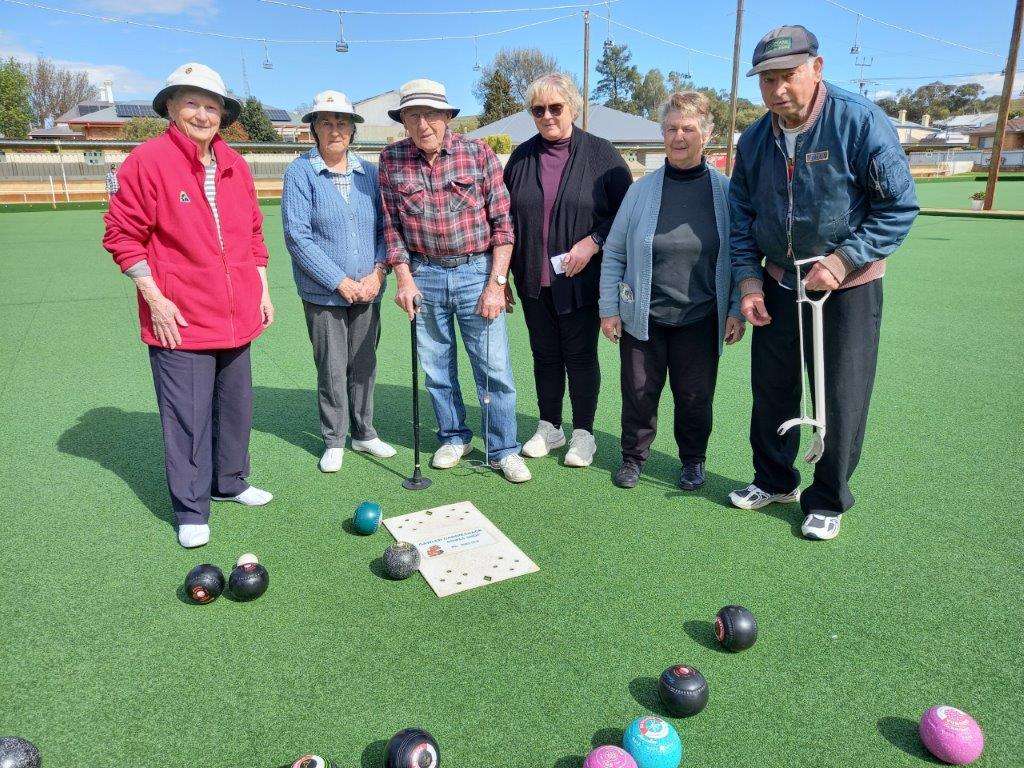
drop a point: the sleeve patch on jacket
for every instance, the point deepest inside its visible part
(890, 175)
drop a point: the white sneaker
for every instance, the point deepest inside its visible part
(375, 447)
(821, 527)
(448, 455)
(582, 447)
(332, 459)
(753, 497)
(514, 468)
(250, 497)
(190, 536)
(545, 439)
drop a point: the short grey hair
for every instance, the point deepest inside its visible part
(560, 84)
(689, 104)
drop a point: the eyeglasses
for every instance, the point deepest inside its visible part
(541, 109)
(430, 115)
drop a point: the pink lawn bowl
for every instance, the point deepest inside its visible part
(951, 735)
(609, 756)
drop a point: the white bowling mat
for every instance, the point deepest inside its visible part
(460, 548)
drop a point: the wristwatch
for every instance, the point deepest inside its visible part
(598, 240)
(500, 279)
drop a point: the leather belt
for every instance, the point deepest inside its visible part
(449, 262)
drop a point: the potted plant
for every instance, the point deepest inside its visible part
(977, 201)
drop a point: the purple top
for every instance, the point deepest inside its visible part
(554, 156)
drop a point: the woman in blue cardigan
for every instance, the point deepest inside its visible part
(333, 229)
(666, 293)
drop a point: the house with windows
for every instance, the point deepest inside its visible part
(984, 138)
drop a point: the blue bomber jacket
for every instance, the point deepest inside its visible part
(850, 198)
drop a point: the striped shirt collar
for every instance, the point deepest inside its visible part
(319, 166)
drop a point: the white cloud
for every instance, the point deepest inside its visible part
(196, 8)
(128, 83)
(992, 82)
(883, 94)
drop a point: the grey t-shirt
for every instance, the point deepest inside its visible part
(686, 246)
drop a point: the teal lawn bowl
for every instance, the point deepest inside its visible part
(366, 519)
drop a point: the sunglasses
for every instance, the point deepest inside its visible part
(540, 110)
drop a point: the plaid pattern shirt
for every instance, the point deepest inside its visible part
(457, 206)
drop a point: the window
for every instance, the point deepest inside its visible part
(987, 141)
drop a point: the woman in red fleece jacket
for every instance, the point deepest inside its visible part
(186, 226)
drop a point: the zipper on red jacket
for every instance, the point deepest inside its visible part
(223, 253)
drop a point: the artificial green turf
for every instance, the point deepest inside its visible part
(957, 194)
(917, 603)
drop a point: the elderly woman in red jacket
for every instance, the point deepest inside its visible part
(185, 225)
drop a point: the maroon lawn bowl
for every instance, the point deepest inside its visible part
(951, 735)
(609, 756)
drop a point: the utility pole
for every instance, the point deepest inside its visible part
(863, 82)
(1004, 108)
(586, 70)
(735, 86)
(245, 79)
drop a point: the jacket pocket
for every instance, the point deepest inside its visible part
(411, 199)
(464, 193)
(889, 174)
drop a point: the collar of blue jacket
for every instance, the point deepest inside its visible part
(355, 165)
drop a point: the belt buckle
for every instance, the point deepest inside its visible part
(449, 262)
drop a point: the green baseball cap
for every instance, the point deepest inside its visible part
(784, 48)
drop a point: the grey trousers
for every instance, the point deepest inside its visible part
(344, 343)
(205, 402)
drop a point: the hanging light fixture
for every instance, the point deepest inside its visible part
(855, 48)
(476, 55)
(342, 45)
(267, 63)
(689, 68)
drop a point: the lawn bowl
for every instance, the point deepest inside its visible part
(951, 735)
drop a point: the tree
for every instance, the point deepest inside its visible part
(235, 132)
(55, 90)
(679, 82)
(142, 128)
(15, 103)
(650, 94)
(256, 123)
(520, 66)
(619, 78)
(939, 101)
(498, 101)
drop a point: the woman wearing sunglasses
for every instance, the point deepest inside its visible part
(566, 186)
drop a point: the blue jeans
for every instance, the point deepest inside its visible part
(450, 295)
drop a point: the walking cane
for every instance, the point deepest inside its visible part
(417, 482)
(817, 420)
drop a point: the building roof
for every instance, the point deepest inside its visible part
(897, 123)
(120, 112)
(946, 137)
(1012, 126)
(59, 131)
(608, 123)
(978, 120)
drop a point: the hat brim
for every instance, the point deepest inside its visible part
(396, 114)
(232, 107)
(310, 116)
(781, 62)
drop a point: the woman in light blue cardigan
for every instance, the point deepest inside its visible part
(666, 293)
(333, 229)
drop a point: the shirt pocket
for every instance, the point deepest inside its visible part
(464, 193)
(411, 199)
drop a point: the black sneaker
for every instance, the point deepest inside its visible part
(628, 474)
(691, 476)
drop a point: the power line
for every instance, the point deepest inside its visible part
(661, 39)
(275, 41)
(464, 12)
(926, 36)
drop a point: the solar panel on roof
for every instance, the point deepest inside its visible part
(84, 110)
(277, 115)
(134, 110)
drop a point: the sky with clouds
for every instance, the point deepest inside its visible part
(138, 59)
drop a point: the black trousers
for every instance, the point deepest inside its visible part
(564, 346)
(853, 320)
(689, 355)
(205, 403)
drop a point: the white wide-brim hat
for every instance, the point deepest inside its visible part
(422, 93)
(200, 76)
(331, 101)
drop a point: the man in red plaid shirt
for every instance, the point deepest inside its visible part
(449, 239)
